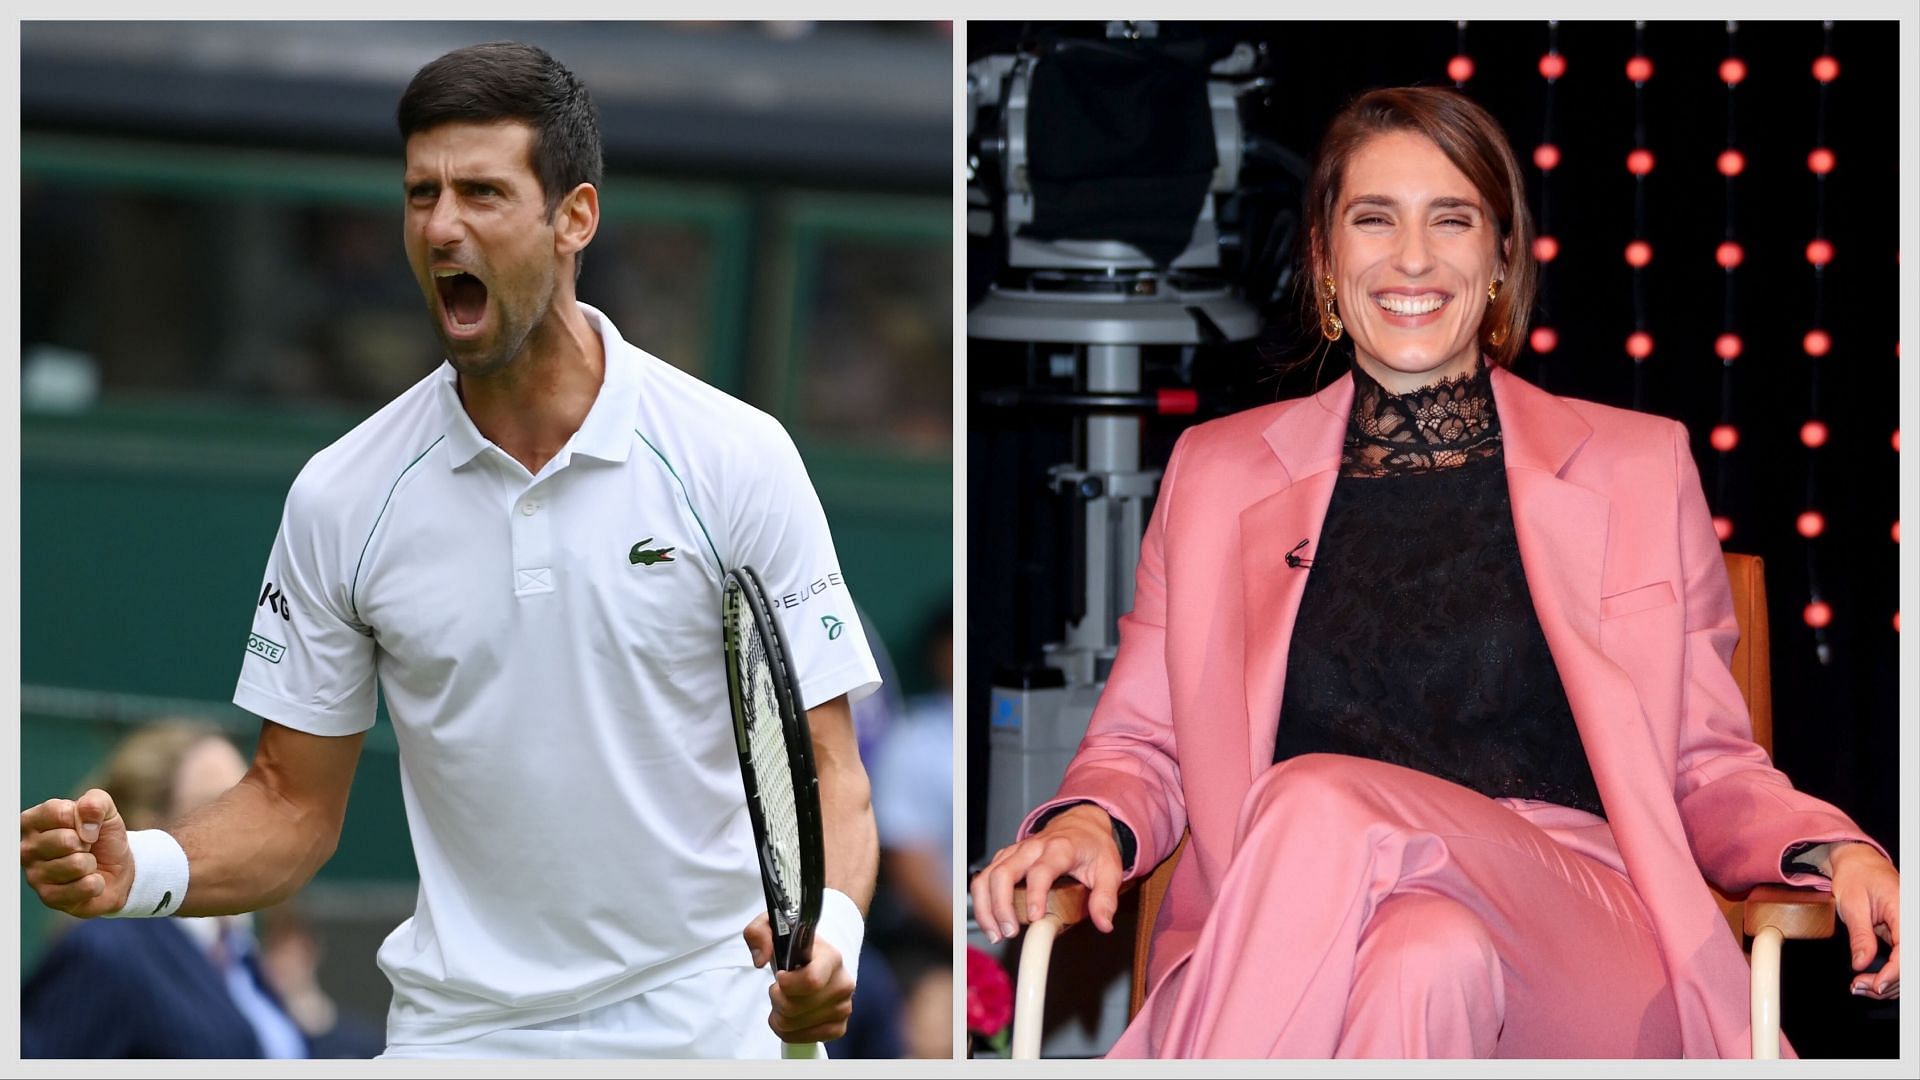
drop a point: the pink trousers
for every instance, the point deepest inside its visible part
(1371, 910)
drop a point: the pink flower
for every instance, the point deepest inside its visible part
(989, 994)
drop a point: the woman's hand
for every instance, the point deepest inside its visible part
(1077, 842)
(1866, 896)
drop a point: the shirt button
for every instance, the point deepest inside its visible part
(528, 508)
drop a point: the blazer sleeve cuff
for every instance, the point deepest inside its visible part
(1809, 877)
(1122, 835)
(1126, 835)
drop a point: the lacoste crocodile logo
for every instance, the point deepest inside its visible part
(645, 556)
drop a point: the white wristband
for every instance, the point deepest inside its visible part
(159, 875)
(842, 924)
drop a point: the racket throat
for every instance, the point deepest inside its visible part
(794, 948)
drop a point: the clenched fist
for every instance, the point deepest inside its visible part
(75, 854)
(810, 1004)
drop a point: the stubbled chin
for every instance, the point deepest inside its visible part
(473, 363)
(464, 352)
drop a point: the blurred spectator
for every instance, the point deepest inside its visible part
(290, 955)
(158, 988)
(876, 713)
(913, 805)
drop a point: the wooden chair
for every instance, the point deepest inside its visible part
(1769, 914)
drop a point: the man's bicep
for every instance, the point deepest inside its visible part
(312, 772)
(830, 723)
(260, 842)
(852, 847)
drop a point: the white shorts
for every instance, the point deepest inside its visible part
(720, 1013)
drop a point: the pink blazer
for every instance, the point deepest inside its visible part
(1627, 579)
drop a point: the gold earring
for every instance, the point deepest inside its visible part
(1493, 292)
(1497, 337)
(1330, 325)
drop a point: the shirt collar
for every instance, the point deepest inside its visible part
(607, 431)
(1373, 400)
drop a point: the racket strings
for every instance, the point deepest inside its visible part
(773, 773)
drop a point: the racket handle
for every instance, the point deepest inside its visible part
(802, 1051)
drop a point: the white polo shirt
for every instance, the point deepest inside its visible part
(550, 651)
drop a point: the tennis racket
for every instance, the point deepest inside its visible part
(776, 763)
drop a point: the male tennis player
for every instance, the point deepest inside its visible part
(528, 547)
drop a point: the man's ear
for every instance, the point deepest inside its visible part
(576, 220)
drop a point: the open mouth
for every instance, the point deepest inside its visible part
(463, 297)
(1411, 307)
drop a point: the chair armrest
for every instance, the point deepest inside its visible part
(1067, 899)
(1798, 913)
(1066, 905)
(1773, 914)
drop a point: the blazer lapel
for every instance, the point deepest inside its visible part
(1307, 439)
(1561, 526)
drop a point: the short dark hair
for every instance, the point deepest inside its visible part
(506, 80)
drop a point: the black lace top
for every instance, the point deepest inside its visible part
(1417, 641)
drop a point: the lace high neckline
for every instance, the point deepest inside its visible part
(1441, 426)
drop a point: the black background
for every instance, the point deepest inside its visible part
(1837, 726)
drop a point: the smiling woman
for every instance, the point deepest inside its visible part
(1408, 589)
(1416, 206)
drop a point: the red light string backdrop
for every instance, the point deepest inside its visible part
(1460, 68)
(1818, 343)
(1731, 163)
(1639, 250)
(1546, 248)
(1729, 254)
